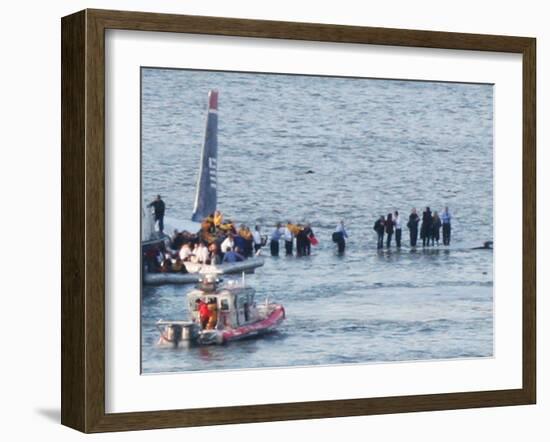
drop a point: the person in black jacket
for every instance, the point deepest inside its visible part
(158, 206)
(301, 239)
(414, 219)
(426, 229)
(436, 226)
(379, 226)
(308, 233)
(389, 229)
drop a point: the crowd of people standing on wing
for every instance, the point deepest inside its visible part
(219, 240)
(429, 227)
(291, 233)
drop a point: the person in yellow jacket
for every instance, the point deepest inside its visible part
(218, 218)
(295, 228)
(290, 231)
(227, 227)
(246, 235)
(245, 232)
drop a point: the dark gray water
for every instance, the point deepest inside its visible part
(374, 146)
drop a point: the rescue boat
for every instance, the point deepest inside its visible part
(231, 314)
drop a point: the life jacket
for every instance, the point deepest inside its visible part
(218, 219)
(204, 311)
(213, 316)
(206, 236)
(226, 227)
(294, 229)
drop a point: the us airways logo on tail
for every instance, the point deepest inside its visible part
(213, 168)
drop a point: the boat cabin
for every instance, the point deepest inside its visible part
(230, 306)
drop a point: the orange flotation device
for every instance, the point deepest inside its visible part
(213, 319)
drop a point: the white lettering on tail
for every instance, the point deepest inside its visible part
(213, 167)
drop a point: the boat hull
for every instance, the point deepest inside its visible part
(184, 333)
(196, 271)
(267, 325)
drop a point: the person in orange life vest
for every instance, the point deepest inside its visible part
(218, 218)
(248, 241)
(213, 314)
(290, 231)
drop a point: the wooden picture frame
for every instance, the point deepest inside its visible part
(83, 220)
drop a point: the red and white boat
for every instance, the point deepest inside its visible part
(220, 315)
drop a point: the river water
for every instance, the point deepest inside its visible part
(374, 146)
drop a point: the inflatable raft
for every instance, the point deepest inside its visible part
(196, 271)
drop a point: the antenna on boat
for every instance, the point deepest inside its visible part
(243, 280)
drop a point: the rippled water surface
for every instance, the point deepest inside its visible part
(374, 146)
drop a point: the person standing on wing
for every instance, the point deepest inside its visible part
(289, 238)
(446, 223)
(436, 225)
(257, 237)
(339, 237)
(379, 227)
(159, 207)
(397, 224)
(275, 237)
(414, 219)
(426, 229)
(389, 230)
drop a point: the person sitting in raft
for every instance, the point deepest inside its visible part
(213, 312)
(177, 240)
(150, 259)
(228, 243)
(202, 253)
(214, 256)
(193, 258)
(178, 266)
(185, 252)
(204, 312)
(166, 266)
(232, 255)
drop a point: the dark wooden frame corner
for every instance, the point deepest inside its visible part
(83, 218)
